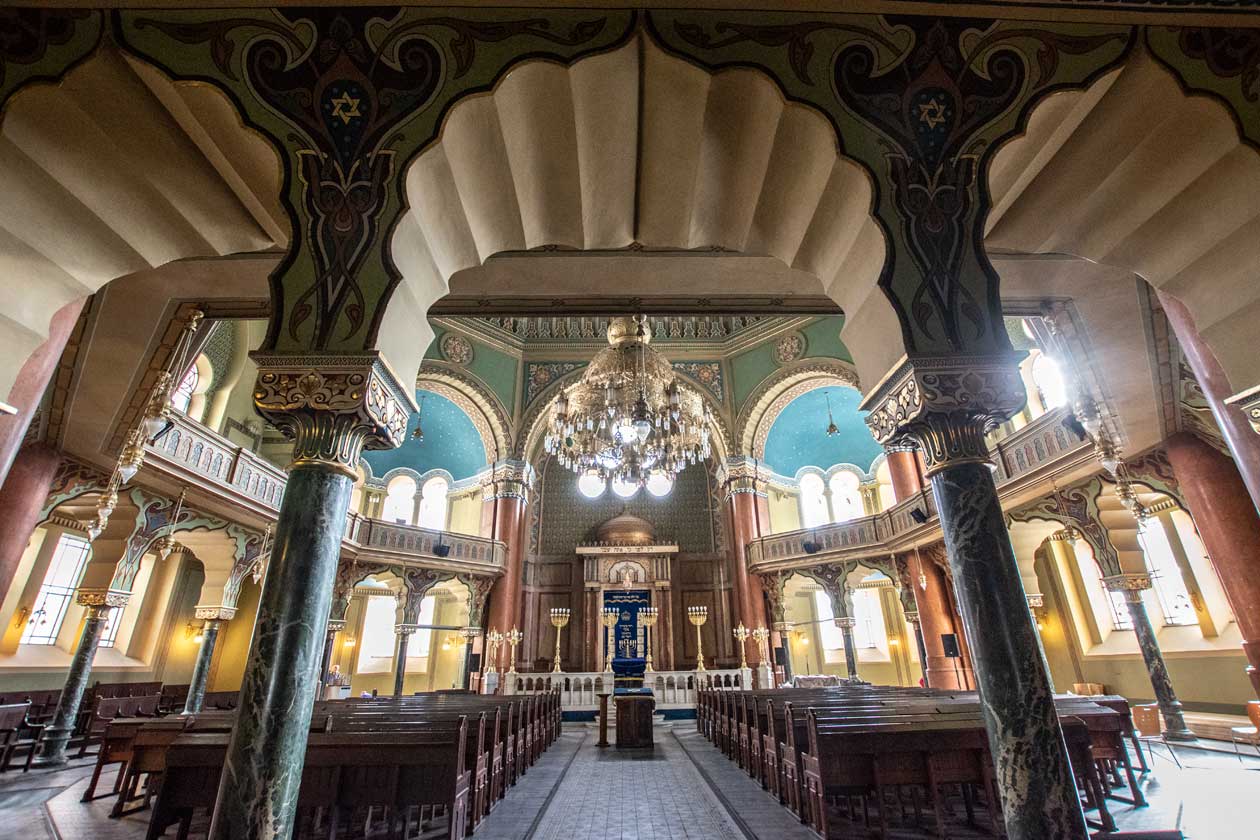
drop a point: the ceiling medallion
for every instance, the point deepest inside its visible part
(789, 348)
(629, 422)
(457, 349)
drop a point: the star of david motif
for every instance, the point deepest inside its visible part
(346, 107)
(932, 113)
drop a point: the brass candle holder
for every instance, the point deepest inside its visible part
(608, 617)
(741, 634)
(648, 616)
(559, 620)
(493, 639)
(698, 616)
(513, 638)
(761, 637)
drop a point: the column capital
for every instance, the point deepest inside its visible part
(846, 623)
(101, 598)
(335, 625)
(215, 613)
(509, 479)
(911, 616)
(1249, 402)
(742, 475)
(1035, 600)
(332, 407)
(405, 629)
(1132, 584)
(946, 405)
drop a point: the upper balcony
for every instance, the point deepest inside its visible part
(192, 453)
(1019, 459)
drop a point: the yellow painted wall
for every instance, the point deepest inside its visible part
(465, 512)
(785, 512)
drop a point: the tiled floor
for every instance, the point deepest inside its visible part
(682, 789)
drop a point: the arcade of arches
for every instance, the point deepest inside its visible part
(937, 378)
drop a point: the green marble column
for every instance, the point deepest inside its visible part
(400, 657)
(331, 408)
(201, 668)
(846, 626)
(945, 405)
(1133, 585)
(57, 736)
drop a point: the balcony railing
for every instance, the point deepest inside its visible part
(193, 448)
(196, 452)
(1039, 444)
(379, 537)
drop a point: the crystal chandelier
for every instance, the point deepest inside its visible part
(629, 422)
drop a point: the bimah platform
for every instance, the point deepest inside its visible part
(634, 717)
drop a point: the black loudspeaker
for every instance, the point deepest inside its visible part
(811, 547)
(780, 656)
(918, 515)
(949, 642)
(441, 550)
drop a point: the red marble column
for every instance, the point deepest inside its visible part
(1230, 529)
(22, 498)
(505, 596)
(907, 477)
(747, 524)
(32, 380)
(1243, 442)
(936, 618)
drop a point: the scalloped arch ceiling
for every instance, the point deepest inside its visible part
(715, 183)
(116, 171)
(1133, 174)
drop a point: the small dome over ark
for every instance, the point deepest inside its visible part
(626, 529)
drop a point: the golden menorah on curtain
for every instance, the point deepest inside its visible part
(741, 634)
(493, 639)
(698, 616)
(609, 618)
(513, 638)
(648, 617)
(559, 620)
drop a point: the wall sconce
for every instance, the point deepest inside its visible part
(349, 642)
(893, 641)
(20, 618)
(194, 633)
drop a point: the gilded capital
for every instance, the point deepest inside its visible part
(332, 407)
(946, 405)
(510, 479)
(101, 598)
(214, 613)
(846, 623)
(1132, 584)
(1249, 403)
(335, 626)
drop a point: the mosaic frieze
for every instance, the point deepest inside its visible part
(539, 375)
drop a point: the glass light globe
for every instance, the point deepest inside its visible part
(660, 483)
(626, 431)
(624, 487)
(642, 428)
(591, 485)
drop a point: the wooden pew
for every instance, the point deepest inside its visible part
(343, 775)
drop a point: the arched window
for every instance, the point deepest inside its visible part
(813, 503)
(182, 397)
(57, 591)
(400, 500)
(1166, 576)
(1048, 378)
(846, 498)
(832, 637)
(376, 647)
(433, 503)
(869, 631)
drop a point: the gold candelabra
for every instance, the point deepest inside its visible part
(609, 618)
(493, 639)
(559, 619)
(513, 638)
(698, 616)
(741, 634)
(648, 616)
(761, 636)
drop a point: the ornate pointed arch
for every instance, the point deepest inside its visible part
(778, 390)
